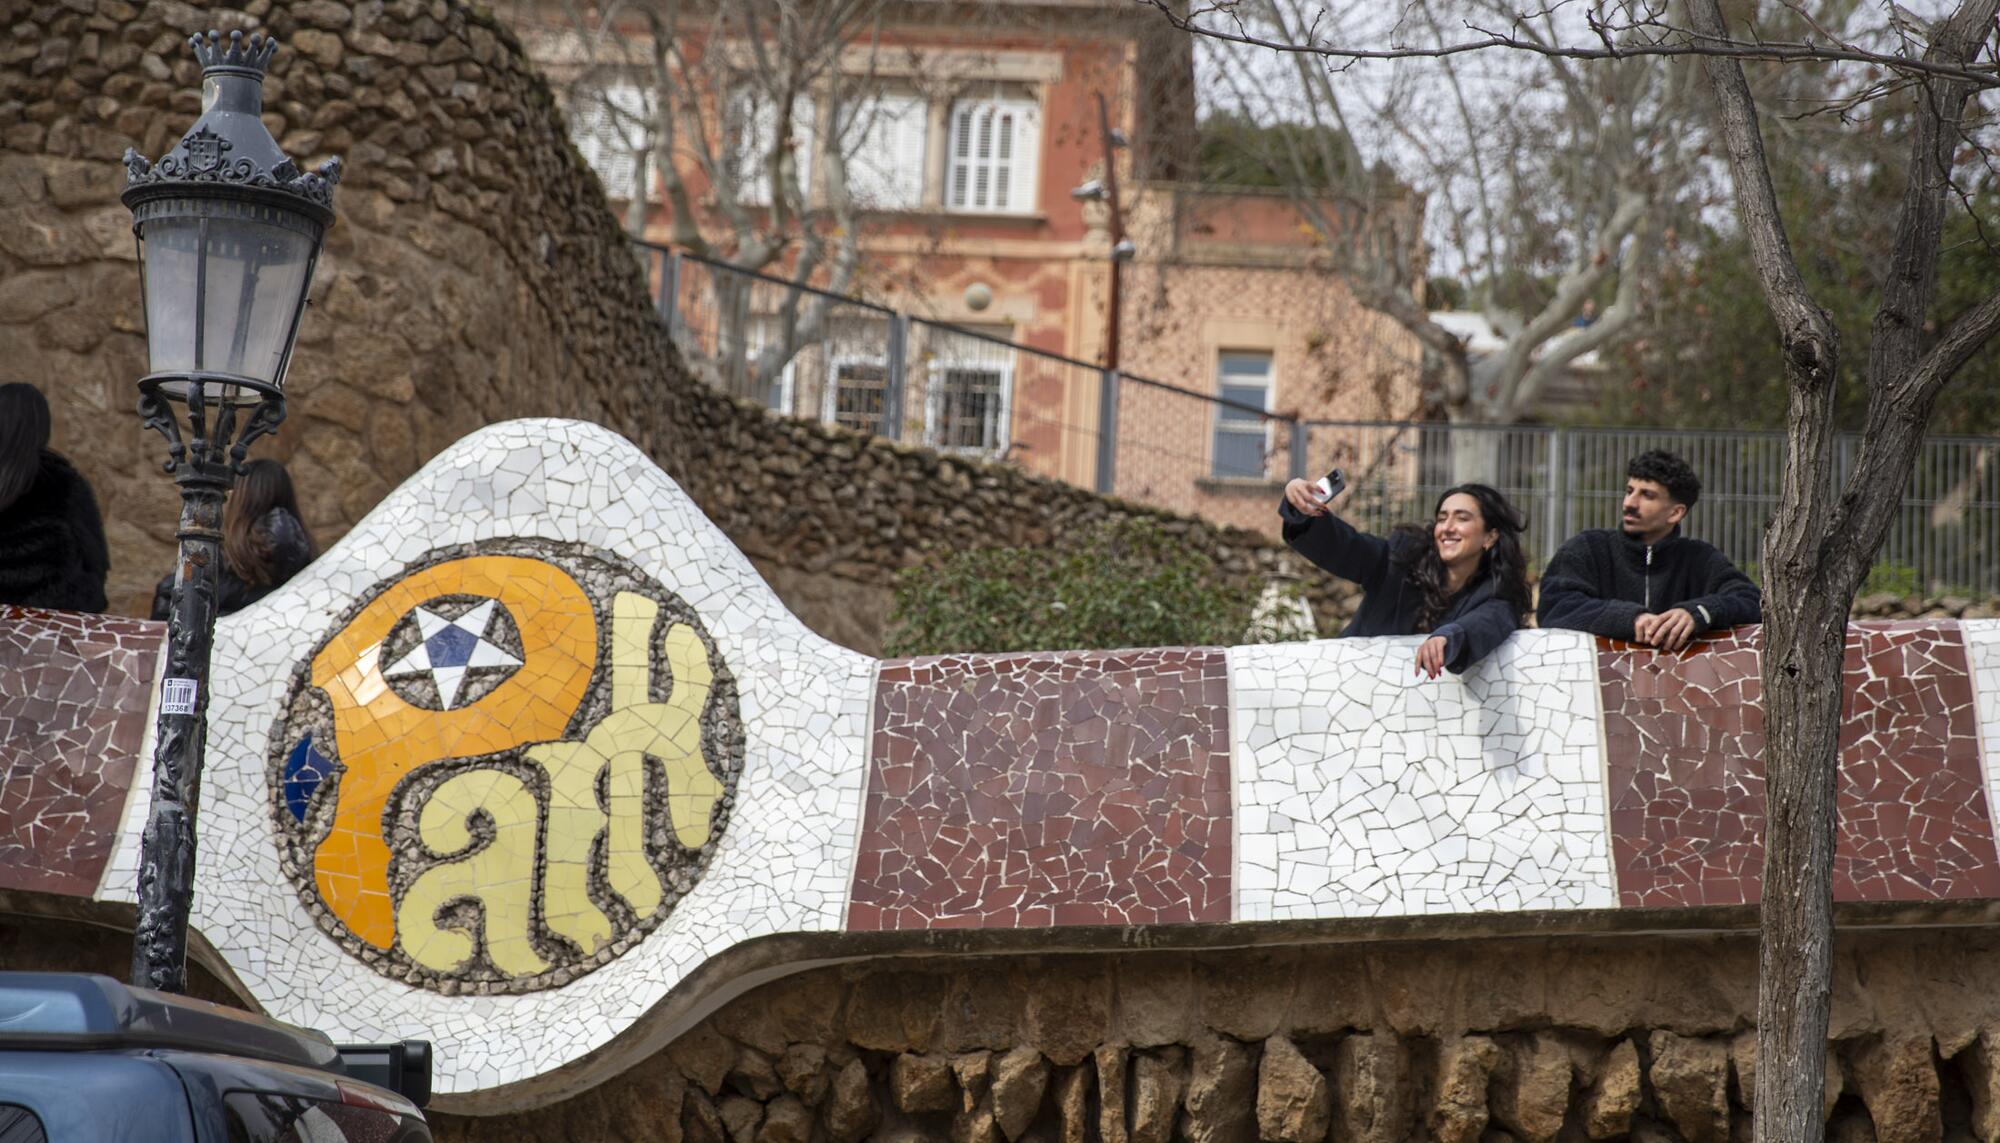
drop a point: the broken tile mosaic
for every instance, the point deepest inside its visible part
(1686, 740)
(1366, 790)
(1051, 789)
(74, 694)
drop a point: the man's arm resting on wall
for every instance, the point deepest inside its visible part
(1729, 598)
(1570, 601)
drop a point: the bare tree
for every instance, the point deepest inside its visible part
(1825, 533)
(1542, 181)
(753, 116)
(1819, 547)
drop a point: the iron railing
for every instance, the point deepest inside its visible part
(843, 360)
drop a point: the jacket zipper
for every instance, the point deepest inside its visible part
(1649, 577)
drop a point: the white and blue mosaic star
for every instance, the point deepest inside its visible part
(451, 648)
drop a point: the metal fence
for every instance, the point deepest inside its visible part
(842, 360)
(1944, 538)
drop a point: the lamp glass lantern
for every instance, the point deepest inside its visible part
(225, 283)
(229, 231)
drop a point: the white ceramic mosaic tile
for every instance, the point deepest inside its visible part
(120, 880)
(783, 865)
(1363, 790)
(1982, 654)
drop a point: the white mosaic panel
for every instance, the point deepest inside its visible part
(1363, 790)
(783, 865)
(1982, 654)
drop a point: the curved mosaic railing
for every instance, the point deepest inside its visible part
(534, 744)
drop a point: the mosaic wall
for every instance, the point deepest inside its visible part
(514, 758)
(1028, 790)
(1686, 742)
(73, 714)
(534, 744)
(1364, 790)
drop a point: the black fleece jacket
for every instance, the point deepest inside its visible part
(1603, 579)
(290, 552)
(1477, 621)
(52, 549)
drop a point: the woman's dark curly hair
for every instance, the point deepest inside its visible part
(1423, 569)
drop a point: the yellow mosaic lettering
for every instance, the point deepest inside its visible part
(382, 738)
(617, 748)
(500, 875)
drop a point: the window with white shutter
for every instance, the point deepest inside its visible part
(887, 146)
(608, 126)
(764, 331)
(993, 156)
(750, 126)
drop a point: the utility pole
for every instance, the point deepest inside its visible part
(1106, 191)
(1117, 230)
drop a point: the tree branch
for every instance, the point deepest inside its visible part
(1812, 344)
(1696, 43)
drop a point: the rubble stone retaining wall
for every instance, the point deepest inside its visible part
(1457, 1040)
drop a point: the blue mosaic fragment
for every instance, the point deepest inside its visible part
(451, 647)
(305, 769)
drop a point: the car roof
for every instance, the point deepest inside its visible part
(56, 1011)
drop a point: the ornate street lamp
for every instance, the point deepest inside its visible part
(229, 229)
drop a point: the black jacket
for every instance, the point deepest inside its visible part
(1603, 579)
(52, 549)
(290, 552)
(1477, 621)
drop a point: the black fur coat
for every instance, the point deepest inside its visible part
(52, 549)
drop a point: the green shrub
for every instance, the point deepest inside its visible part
(1123, 584)
(1895, 579)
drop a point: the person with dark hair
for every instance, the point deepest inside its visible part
(1463, 580)
(1645, 582)
(264, 540)
(52, 549)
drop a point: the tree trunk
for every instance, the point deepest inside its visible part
(1475, 453)
(1803, 699)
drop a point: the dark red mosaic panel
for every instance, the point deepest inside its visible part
(1685, 735)
(73, 696)
(1085, 788)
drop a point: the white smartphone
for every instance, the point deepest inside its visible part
(1330, 485)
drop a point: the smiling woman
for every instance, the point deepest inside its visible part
(1463, 581)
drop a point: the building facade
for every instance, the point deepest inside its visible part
(977, 125)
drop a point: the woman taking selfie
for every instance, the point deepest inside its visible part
(1463, 580)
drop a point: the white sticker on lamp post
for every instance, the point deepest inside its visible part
(177, 696)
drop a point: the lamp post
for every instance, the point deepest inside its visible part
(229, 229)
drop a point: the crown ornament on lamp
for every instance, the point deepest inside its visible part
(212, 153)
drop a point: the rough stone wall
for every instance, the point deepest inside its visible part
(474, 273)
(830, 517)
(1643, 1038)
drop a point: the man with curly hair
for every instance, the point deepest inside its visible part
(1645, 582)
